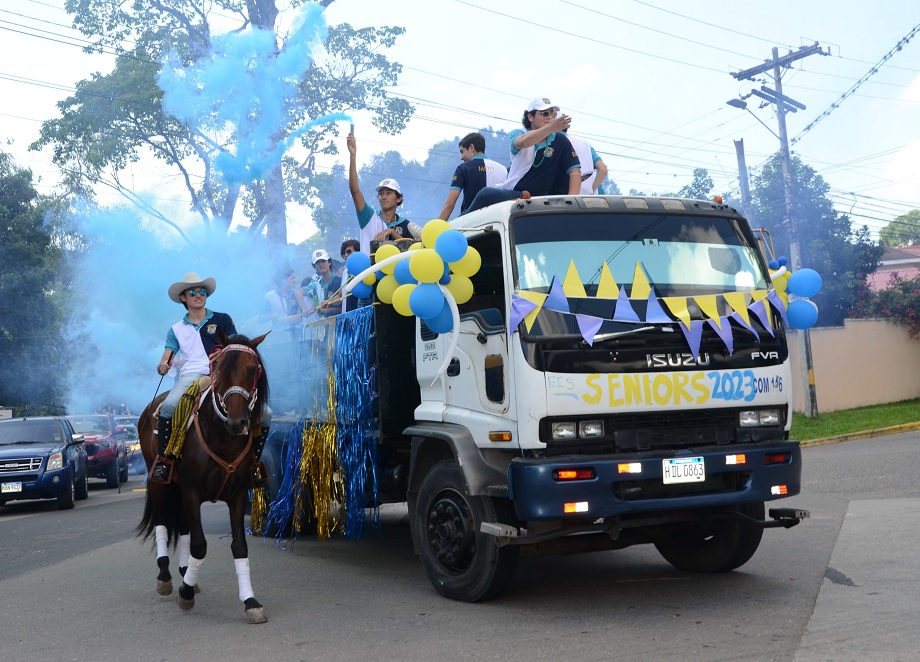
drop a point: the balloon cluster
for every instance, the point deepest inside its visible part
(804, 283)
(415, 284)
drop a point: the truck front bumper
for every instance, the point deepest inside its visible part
(590, 487)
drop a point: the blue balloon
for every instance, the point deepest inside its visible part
(451, 245)
(445, 279)
(802, 314)
(357, 262)
(773, 264)
(362, 290)
(426, 300)
(402, 274)
(783, 261)
(804, 283)
(443, 322)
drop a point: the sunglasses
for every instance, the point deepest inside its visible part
(195, 293)
(348, 251)
(545, 113)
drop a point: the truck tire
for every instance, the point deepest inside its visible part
(111, 473)
(81, 490)
(461, 562)
(713, 546)
(65, 498)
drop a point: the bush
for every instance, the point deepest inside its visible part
(899, 302)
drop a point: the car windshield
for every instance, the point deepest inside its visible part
(680, 254)
(12, 432)
(90, 424)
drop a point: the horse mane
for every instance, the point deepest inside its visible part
(229, 360)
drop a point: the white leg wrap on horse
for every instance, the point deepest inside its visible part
(185, 542)
(194, 568)
(242, 578)
(159, 534)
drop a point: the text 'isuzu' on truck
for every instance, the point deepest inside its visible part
(619, 375)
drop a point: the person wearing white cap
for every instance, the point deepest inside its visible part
(543, 161)
(386, 223)
(322, 286)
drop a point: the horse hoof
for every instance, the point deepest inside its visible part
(256, 615)
(164, 588)
(197, 588)
(183, 603)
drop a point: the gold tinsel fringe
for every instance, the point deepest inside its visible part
(184, 410)
(259, 514)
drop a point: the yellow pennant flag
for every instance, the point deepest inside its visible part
(572, 285)
(535, 298)
(757, 295)
(641, 287)
(678, 308)
(607, 288)
(710, 307)
(738, 303)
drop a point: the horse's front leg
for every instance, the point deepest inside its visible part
(198, 548)
(255, 613)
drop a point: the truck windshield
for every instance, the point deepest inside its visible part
(680, 254)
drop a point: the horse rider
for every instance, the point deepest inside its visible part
(194, 338)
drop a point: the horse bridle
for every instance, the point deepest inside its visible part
(252, 395)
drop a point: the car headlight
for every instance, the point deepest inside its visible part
(135, 447)
(758, 418)
(591, 429)
(564, 430)
(56, 461)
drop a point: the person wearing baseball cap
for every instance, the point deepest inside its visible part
(323, 286)
(385, 223)
(543, 161)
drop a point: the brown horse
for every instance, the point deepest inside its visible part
(215, 464)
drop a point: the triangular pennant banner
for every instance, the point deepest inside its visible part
(607, 287)
(678, 308)
(520, 307)
(757, 295)
(556, 300)
(624, 311)
(738, 303)
(694, 335)
(572, 285)
(588, 326)
(709, 306)
(654, 313)
(759, 308)
(746, 323)
(777, 302)
(640, 288)
(537, 299)
(724, 331)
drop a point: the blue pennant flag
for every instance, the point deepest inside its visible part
(735, 316)
(655, 314)
(759, 308)
(520, 307)
(773, 298)
(557, 300)
(693, 335)
(588, 326)
(725, 333)
(624, 311)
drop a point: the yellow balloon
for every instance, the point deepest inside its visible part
(385, 251)
(467, 265)
(432, 229)
(386, 287)
(417, 246)
(780, 283)
(426, 266)
(370, 280)
(401, 299)
(460, 287)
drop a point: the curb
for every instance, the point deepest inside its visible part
(851, 436)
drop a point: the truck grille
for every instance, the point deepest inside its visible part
(18, 465)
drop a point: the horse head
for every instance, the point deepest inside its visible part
(238, 382)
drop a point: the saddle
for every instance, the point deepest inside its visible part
(182, 417)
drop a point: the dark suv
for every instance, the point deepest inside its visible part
(42, 458)
(106, 455)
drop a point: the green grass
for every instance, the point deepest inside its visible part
(854, 420)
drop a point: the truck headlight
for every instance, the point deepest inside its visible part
(758, 418)
(587, 429)
(565, 430)
(56, 461)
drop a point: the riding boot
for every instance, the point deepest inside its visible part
(162, 470)
(259, 472)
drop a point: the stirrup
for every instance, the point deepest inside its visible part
(162, 471)
(258, 475)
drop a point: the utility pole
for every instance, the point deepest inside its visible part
(783, 105)
(743, 180)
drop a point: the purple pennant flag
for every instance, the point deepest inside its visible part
(773, 298)
(693, 335)
(588, 326)
(520, 307)
(655, 314)
(759, 308)
(725, 333)
(557, 300)
(624, 311)
(735, 316)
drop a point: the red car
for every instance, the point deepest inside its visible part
(106, 455)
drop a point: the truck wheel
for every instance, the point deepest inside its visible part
(461, 562)
(66, 497)
(81, 490)
(111, 473)
(715, 546)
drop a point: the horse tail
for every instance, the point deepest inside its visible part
(162, 507)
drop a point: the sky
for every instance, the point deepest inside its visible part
(645, 81)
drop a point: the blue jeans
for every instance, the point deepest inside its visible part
(490, 196)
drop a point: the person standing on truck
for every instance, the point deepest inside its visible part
(593, 168)
(474, 174)
(323, 286)
(349, 246)
(279, 304)
(543, 161)
(386, 223)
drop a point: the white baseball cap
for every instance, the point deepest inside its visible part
(391, 184)
(540, 103)
(319, 254)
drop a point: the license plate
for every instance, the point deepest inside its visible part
(11, 487)
(683, 470)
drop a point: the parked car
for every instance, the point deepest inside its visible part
(42, 458)
(106, 454)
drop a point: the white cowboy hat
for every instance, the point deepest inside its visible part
(191, 280)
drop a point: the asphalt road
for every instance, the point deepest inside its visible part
(77, 585)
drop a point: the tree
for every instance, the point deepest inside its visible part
(224, 132)
(31, 356)
(829, 243)
(699, 188)
(902, 231)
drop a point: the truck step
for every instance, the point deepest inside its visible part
(789, 517)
